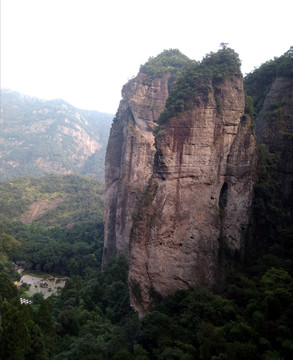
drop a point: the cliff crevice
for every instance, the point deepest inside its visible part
(129, 157)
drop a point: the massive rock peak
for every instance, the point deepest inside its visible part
(129, 157)
(172, 199)
(131, 146)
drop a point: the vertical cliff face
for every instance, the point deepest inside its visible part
(131, 147)
(173, 199)
(199, 196)
(129, 157)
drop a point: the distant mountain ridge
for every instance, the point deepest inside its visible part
(41, 137)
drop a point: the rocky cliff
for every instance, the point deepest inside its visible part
(176, 195)
(129, 157)
(131, 147)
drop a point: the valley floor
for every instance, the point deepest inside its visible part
(45, 285)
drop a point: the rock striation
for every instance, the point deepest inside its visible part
(177, 195)
(129, 157)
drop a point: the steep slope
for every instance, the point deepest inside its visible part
(274, 115)
(131, 146)
(200, 192)
(271, 89)
(42, 137)
(170, 205)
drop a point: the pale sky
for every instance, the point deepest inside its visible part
(84, 51)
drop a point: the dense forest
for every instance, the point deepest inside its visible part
(63, 237)
(249, 316)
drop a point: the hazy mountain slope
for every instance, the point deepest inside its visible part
(41, 137)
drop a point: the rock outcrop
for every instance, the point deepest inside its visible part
(129, 157)
(174, 198)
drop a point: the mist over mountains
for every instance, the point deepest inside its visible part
(40, 137)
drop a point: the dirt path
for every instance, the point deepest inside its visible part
(39, 208)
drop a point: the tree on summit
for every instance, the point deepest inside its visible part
(224, 45)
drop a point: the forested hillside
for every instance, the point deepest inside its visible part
(41, 137)
(52, 224)
(52, 200)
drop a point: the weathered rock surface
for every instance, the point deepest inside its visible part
(129, 157)
(200, 194)
(173, 200)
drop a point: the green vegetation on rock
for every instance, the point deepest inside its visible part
(196, 80)
(169, 61)
(258, 83)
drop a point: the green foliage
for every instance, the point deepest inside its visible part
(79, 199)
(21, 337)
(139, 353)
(92, 320)
(197, 79)
(249, 107)
(169, 61)
(277, 282)
(63, 251)
(8, 290)
(285, 64)
(258, 83)
(279, 118)
(7, 244)
(97, 315)
(67, 239)
(223, 63)
(272, 219)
